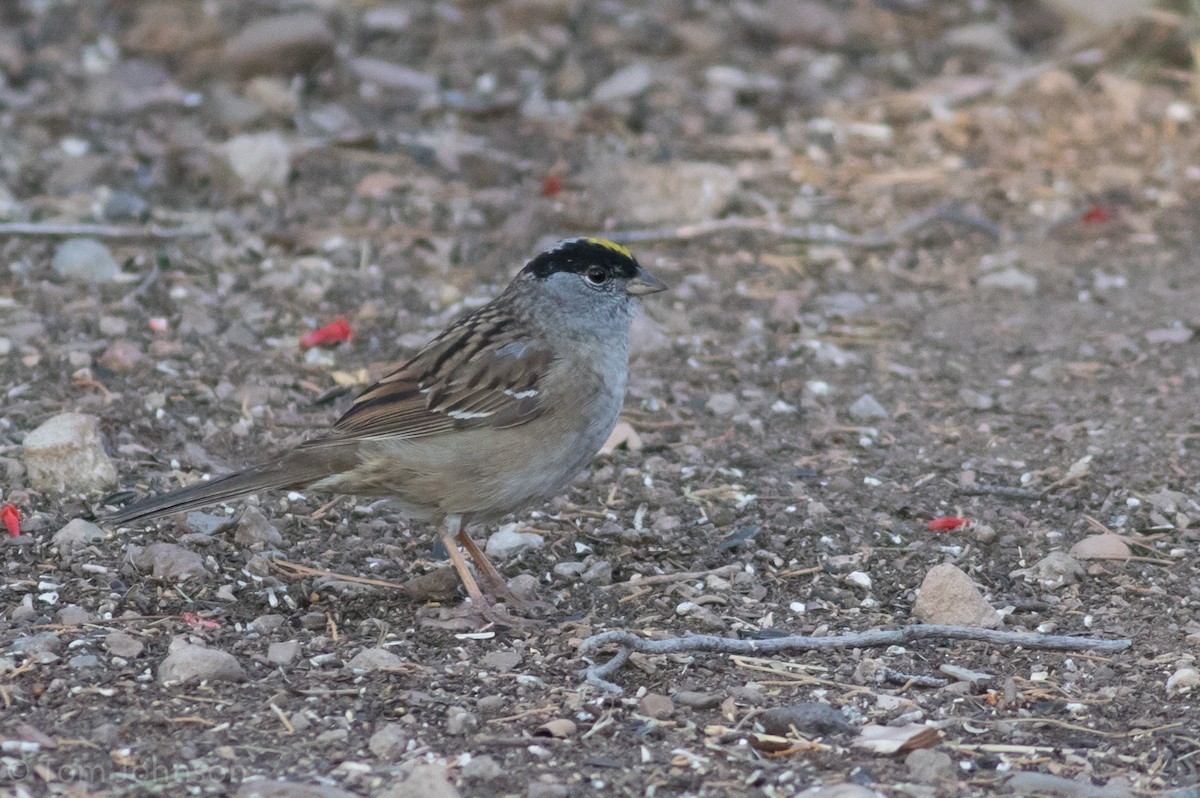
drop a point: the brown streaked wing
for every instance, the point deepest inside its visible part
(470, 388)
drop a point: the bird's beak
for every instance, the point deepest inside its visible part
(644, 283)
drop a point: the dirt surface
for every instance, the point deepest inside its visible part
(1028, 361)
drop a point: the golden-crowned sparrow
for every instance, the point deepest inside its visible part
(500, 411)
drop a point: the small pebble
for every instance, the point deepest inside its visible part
(76, 534)
(388, 742)
(460, 722)
(698, 700)
(1011, 279)
(624, 83)
(266, 624)
(124, 645)
(85, 260)
(948, 596)
(501, 661)
(569, 570)
(507, 543)
(809, 717)
(482, 769)
(722, 404)
(190, 663)
(927, 766)
(169, 562)
(1183, 680)
(599, 573)
(283, 653)
(42, 642)
(72, 615)
(258, 161)
(657, 706)
(375, 659)
(866, 408)
(65, 453)
(974, 400)
(255, 531)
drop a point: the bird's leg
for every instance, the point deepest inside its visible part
(453, 526)
(495, 580)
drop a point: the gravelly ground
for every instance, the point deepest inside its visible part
(412, 155)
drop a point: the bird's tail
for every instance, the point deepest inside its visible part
(293, 471)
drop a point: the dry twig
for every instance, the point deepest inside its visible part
(809, 233)
(683, 576)
(66, 230)
(1003, 491)
(627, 643)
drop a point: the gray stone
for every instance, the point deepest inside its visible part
(975, 400)
(206, 523)
(1011, 279)
(375, 659)
(85, 260)
(40, 643)
(76, 534)
(283, 653)
(169, 562)
(122, 355)
(844, 790)
(986, 38)
(266, 624)
(807, 717)
(73, 615)
(508, 543)
(125, 206)
(291, 789)
(524, 586)
(698, 700)
(392, 18)
(803, 22)
(189, 663)
(65, 454)
(867, 408)
(256, 531)
(420, 780)
(124, 645)
(501, 661)
(569, 570)
(948, 596)
(461, 722)
(657, 706)
(598, 573)
(282, 44)
(1183, 680)
(257, 161)
(81, 661)
(388, 742)
(395, 77)
(926, 766)
(625, 83)
(482, 769)
(1055, 570)
(722, 404)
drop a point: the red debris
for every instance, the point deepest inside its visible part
(196, 622)
(1097, 214)
(552, 186)
(12, 519)
(948, 523)
(335, 332)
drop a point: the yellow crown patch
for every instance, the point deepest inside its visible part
(613, 245)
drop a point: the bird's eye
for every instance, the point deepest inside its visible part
(596, 276)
